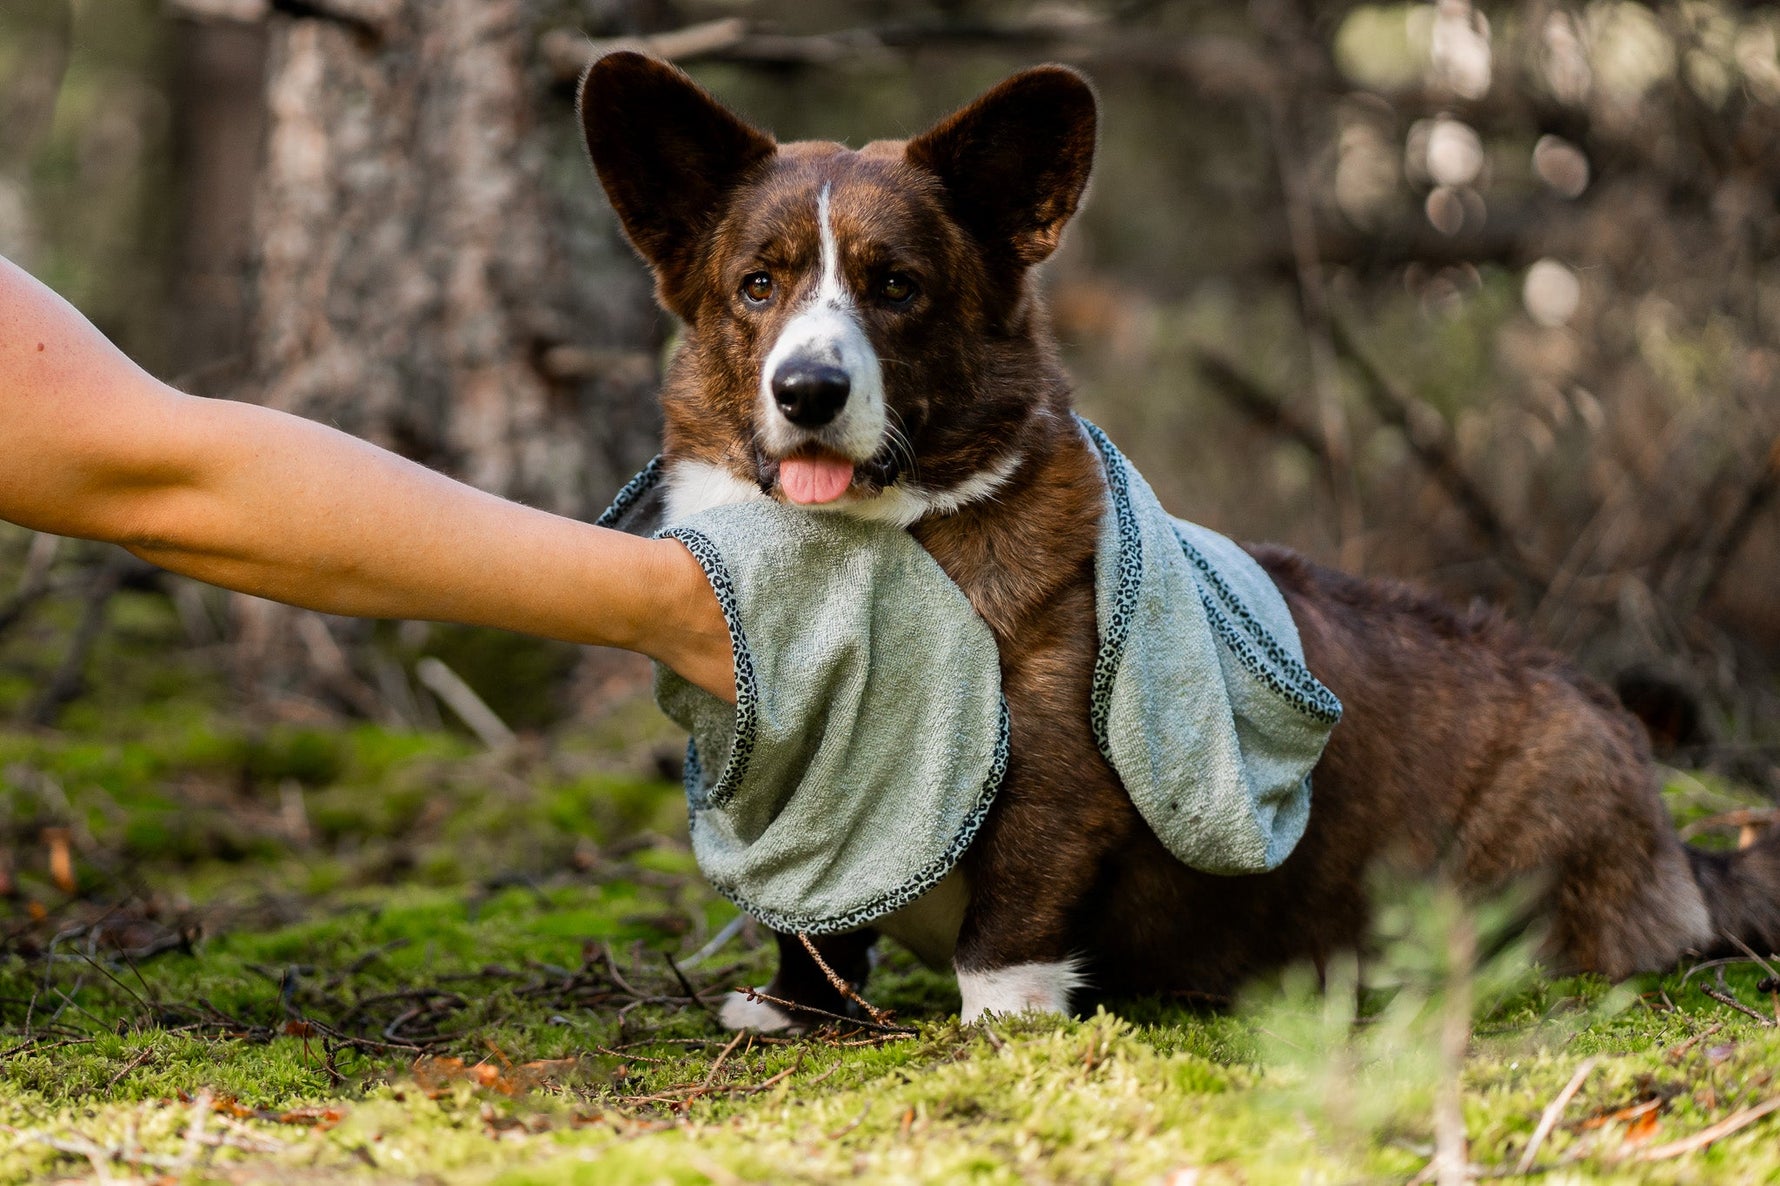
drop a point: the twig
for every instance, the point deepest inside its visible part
(852, 1124)
(147, 1053)
(34, 584)
(30, 1046)
(1724, 549)
(1429, 439)
(1750, 952)
(686, 984)
(1313, 297)
(840, 985)
(730, 930)
(1554, 1111)
(461, 699)
(69, 678)
(1706, 1136)
(1258, 404)
(754, 994)
(1722, 994)
(1681, 1048)
(1722, 961)
(194, 1133)
(722, 1055)
(1451, 1154)
(1220, 66)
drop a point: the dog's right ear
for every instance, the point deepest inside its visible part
(667, 154)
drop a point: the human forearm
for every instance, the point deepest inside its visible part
(293, 510)
(270, 504)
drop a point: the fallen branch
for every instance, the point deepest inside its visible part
(461, 699)
(901, 1031)
(1706, 1136)
(1554, 1112)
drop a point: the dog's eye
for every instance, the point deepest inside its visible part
(897, 289)
(757, 287)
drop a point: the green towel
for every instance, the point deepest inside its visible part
(869, 734)
(1201, 700)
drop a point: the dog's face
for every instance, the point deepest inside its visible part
(860, 329)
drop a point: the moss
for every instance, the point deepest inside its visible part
(396, 887)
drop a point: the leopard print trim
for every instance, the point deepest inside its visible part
(1117, 628)
(633, 492)
(1288, 678)
(1260, 654)
(747, 691)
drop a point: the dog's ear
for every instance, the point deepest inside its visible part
(1015, 161)
(667, 154)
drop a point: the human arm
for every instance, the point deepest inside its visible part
(274, 505)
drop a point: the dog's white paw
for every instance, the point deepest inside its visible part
(739, 1013)
(1021, 988)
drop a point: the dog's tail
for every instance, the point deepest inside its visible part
(1742, 891)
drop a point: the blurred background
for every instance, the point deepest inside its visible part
(1485, 296)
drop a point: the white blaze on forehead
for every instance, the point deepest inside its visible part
(829, 291)
(827, 332)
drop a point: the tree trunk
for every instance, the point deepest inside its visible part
(435, 272)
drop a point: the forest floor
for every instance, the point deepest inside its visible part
(355, 954)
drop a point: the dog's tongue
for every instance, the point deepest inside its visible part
(814, 480)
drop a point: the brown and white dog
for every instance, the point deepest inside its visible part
(863, 335)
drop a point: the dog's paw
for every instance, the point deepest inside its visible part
(739, 1013)
(1022, 988)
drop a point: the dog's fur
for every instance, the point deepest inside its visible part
(1464, 747)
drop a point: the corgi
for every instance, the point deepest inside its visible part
(864, 335)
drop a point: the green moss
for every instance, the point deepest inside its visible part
(396, 887)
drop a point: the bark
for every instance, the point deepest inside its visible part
(412, 279)
(434, 269)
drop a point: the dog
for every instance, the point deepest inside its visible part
(864, 335)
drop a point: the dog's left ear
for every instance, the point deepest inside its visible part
(1015, 162)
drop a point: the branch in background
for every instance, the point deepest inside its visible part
(376, 18)
(69, 680)
(1286, 37)
(1756, 497)
(34, 584)
(1259, 405)
(1430, 440)
(1225, 67)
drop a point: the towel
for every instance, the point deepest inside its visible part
(869, 735)
(1201, 701)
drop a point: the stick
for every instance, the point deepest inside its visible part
(1258, 404)
(1706, 1136)
(461, 699)
(901, 1031)
(66, 684)
(686, 984)
(1722, 994)
(730, 930)
(1451, 1162)
(1554, 1111)
(1750, 952)
(134, 1063)
(1316, 318)
(841, 986)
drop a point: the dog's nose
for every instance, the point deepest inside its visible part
(810, 394)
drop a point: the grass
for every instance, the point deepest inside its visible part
(308, 954)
